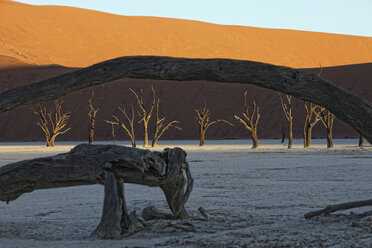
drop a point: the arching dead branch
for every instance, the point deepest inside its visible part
(350, 108)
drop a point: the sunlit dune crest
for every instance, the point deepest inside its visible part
(78, 37)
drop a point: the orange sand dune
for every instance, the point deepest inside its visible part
(77, 37)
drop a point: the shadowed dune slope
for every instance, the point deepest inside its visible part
(76, 37)
(177, 102)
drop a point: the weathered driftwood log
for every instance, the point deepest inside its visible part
(337, 207)
(115, 221)
(151, 213)
(345, 105)
(204, 213)
(109, 164)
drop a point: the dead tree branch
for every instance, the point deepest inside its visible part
(129, 130)
(146, 113)
(311, 119)
(250, 120)
(327, 118)
(113, 123)
(287, 109)
(161, 127)
(52, 124)
(343, 206)
(203, 118)
(92, 118)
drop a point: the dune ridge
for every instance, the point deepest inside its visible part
(76, 37)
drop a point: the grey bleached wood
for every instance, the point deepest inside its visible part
(338, 207)
(204, 213)
(115, 221)
(88, 164)
(345, 105)
(151, 213)
(110, 224)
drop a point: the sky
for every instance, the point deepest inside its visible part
(353, 17)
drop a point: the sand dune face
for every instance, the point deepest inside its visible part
(77, 37)
(34, 37)
(177, 102)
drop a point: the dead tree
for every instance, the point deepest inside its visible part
(311, 120)
(287, 109)
(250, 120)
(52, 124)
(146, 113)
(203, 118)
(361, 141)
(112, 165)
(327, 118)
(160, 127)
(343, 206)
(129, 130)
(113, 123)
(350, 108)
(92, 118)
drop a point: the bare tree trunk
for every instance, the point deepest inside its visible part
(254, 140)
(202, 137)
(146, 135)
(361, 141)
(115, 221)
(287, 108)
(250, 120)
(308, 137)
(92, 118)
(154, 143)
(113, 136)
(329, 137)
(305, 135)
(146, 113)
(51, 141)
(174, 192)
(91, 133)
(47, 139)
(290, 135)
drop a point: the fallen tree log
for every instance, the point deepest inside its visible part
(109, 164)
(345, 105)
(337, 207)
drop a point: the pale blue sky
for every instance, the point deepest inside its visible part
(352, 17)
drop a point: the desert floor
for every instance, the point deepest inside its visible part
(256, 198)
